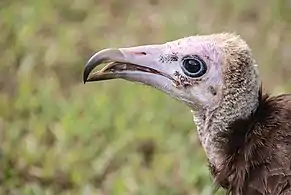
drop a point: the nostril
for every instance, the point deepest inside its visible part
(140, 53)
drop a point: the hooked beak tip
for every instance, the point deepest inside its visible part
(85, 75)
(110, 54)
(90, 65)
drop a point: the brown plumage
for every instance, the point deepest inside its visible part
(257, 150)
(246, 134)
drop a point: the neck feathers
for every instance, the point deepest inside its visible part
(239, 99)
(211, 124)
(228, 142)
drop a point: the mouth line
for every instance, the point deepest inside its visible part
(119, 67)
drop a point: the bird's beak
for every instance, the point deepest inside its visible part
(141, 64)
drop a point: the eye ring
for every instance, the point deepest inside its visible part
(194, 66)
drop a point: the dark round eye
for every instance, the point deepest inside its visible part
(194, 66)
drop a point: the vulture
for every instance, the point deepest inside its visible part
(244, 131)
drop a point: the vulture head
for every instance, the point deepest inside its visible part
(215, 75)
(245, 134)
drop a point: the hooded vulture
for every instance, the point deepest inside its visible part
(245, 133)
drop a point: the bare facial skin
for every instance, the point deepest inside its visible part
(204, 72)
(245, 133)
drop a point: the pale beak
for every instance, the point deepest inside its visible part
(141, 64)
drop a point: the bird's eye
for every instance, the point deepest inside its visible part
(194, 67)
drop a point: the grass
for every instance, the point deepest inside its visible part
(59, 136)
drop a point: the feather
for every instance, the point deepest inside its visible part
(257, 153)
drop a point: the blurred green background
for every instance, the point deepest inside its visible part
(59, 136)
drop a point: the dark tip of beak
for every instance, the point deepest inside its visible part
(88, 68)
(99, 58)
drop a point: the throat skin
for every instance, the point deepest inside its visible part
(214, 122)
